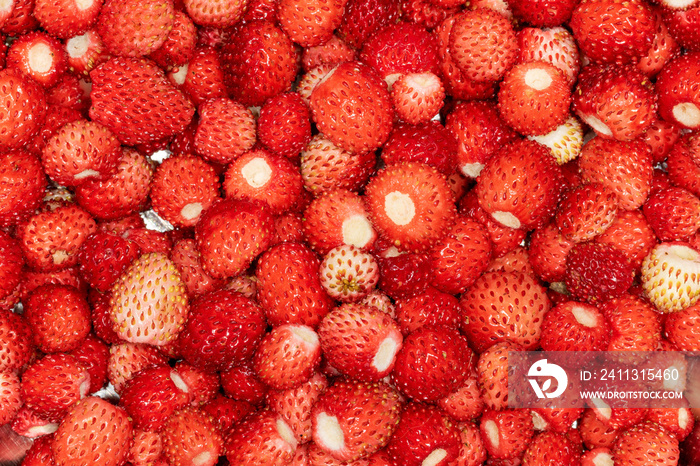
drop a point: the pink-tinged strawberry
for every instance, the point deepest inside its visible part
(16, 341)
(28, 424)
(85, 52)
(492, 374)
(572, 326)
(287, 356)
(133, 98)
(190, 436)
(410, 204)
(310, 79)
(332, 52)
(534, 98)
(461, 256)
(618, 102)
(348, 274)
(22, 186)
(39, 56)
(10, 397)
(178, 48)
(242, 384)
(430, 143)
(429, 307)
(597, 272)
(683, 163)
(360, 342)
(326, 167)
(259, 64)
(52, 384)
(520, 185)
(24, 104)
(681, 328)
(663, 49)
(149, 303)
(671, 276)
(261, 439)
(103, 257)
(673, 213)
(635, 325)
(380, 301)
(432, 362)
(226, 129)
(613, 31)
(223, 329)
(503, 294)
(543, 14)
(352, 420)
(360, 118)
(66, 18)
(683, 25)
(310, 23)
(128, 359)
(295, 405)
(554, 45)
(483, 44)
(594, 432)
(284, 125)
(465, 402)
(132, 28)
(93, 431)
(678, 422)
(547, 253)
(679, 100)
(645, 443)
(586, 212)
(301, 301)
(624, 167)
(361, 19)
(146, 447)
(506, 434)
(550, 449)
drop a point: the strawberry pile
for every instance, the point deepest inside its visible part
(367, 205)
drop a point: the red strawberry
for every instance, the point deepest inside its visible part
(472, 451)
(287, 356)
(218, 14)
(103, 257)
(310, 23)
(133, 98)
(678, 422)
(465, 402)
(635, 324)
(263, 438)
(555, 45)
(424, 12)
(503, 294)
(644, 443)
(572, 326)
(425, 436)
(226, 130)
(550, 449)
(506, 434)
(203, 77)
(594, 432)
(93, 354)
(332, 52)
(311, 78)
(411, 204)
(241, 383)
(56, 117)
(663, 49)
(429, 307)
(433, 362)
(681, 328)
(284, 124)
(492, 374)
(613, 31)
(146, 447)
(22, 186)
(673, 213)
(301, 301)
(428, 143)
(39, 56)
(128, 359)
(683, 163)
(259, 64)
(402, 275)
(295, 405)
(631, 234)
(361, 19)
(223, 328)
(679, 100)
(66, 18)
(352, 420)
(671, 276)
(360, 342)
(597, 272)
(16, 341)
(24, 102)
(230, 234)
(190, 436)
(188, 261)
(682, 24)
(28, 424)
(586, 212)
(417, 97)
(483, 44)
(544, 14)
(131, 28)
(11, 263)
(532, 178)
(21, 20)
(547, 253)
(148, 303)
(10, 398)
(227, 412)
(178, 48)
(85, 52)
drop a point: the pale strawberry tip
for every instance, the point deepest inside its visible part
(257, 172)
(40, 58)
(399, 207)
(584, 316)
(687, 114)
(386, 354)
(435, 457)
(329, 435)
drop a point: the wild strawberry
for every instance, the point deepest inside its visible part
(572, 326)
(178, 48)
(681, 328)
(226, 130)
(679, 100)
(94, 430)
(671, 276)
(230, 234)
(38, 56)
(16, 342)
(635, 325)
(360, 118)
(11, 263)
(673, 213)
(532, 177)
(464, 403)
(287, 356)
(554, 45)
(215, 14)
(335, 218)
(295, 405)
(263, 438)
(472, 451)
(595, 433)
(223, 328)
(332, 52)
(549, 448)
(190, 435)
(284, 124)
(678, 422)
(429, 307)
(326, 167)
(85, 52)
(146, 447)
(474, 49)
(362, 19)
(547, 253)
(56, 117)
(682, 24)
(30, 425)
(417, 97)
(437, 356)
(683, 163)
(310, 79)
(149, 240)
(259, 64)
(353, 420)
(586, 212)
(348, 274)
(503, 294)
(93, 354)
(128, 359)
(227, 412)
(643, 443)
(411, 204)
(10, 398)
(310, 23)
(21, 20)
(624, 167)
(201, 386)
(360, 342)
(506, 434)
(663, 49)
(611, 31)
(134, 29)
(597, 272)
(202, 78)
(380, 301)
(430, 143)
(22, 186)
(24, 102)
(241, 383)
(66, 18)
(424, 12)
(425, 435)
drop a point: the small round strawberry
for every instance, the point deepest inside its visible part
(594, 432)
(310, 23)
(572, 326)
(417, 97)
(679, 422)
(332, 52)
(146, 447)
(348, 274)
(586, 212)
(597, 272)
(263, 438)
(93, 354)
(645, 443)
(630, 233)
(284, 125)
(664, 48)
(507, 433)
(85, 52)
(226, 130)
(671, 276)
(103, 257)
(430, 143)
(242, 384)
(682, 328)
(227, 412)
(411, 204)
(66, 18)
(178, 48)
(555, 45)
(287, 356)
(201, 79)
(679, 97)
(635, 324)
(93, 431)
(22, 186)
(430, 307)
(190, 436)
(128, 359)
(464, 403)
(24, 104)
(352, 420)
(39, 56)
(361, 19)
(547, 253)
(360, 342)
(219, 14)
(133, 28)
(295, 405)
(550, 449)
(673, 213)
(16, 341)
(683, 163)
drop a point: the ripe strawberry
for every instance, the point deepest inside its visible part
(472, 451)
(360, 342)
(302, 301)
(22, 186)
(417, 97)
(586, 212)
(103, 257)
(635, 324)
(492, 374)
(673, 213)
(550, 449)
(597, 272)
(148, 303)
(85, 52)
(425, 436)
(594, 432)
(10, 398)
(362, 19)
(146, 447)
(24, 102)
(66, 18)
(295, 405)
(616, 101)
(178, 48)
(93, 354)
(411, 204)
(679, 100)
(230, 234)
(352, 420)
(630, 233)
(507, 433)
(360, 118)
(547, 253)
(201, 386)
(554, 45)
(310, 23)
(671, 276)
(226, 130)
(310, 79)
(503, 294)
(227, 412)
(546, 14)
(348, 274)
(263, 438)
(483, 44)
(683, 163)
(128, 359)
(203, 77)
(133, 98)
(612, 31)
(681, 328)
(402, 275)
(39, 56)
(190, 437)
(424, 12)
(216, 14)
(16, 341)
(259, 64)
(624, 167)
(332, 52)
(663, 49)
(644, 443)
(284, 125)
(21, 20)
(433, 362)
(11, 263)
(430, 307)
(326, 167)
(572, 326)
(287, 356)
(678, 422)
(131, 28)
(430, 143)
(465, 403)
(223, 328)
(240, 383)
(123, 193)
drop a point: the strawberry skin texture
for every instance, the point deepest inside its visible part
(24, 102)
(261, 439)
(597, 272)
(22, 186)
(190, 436)
(645, 443)
(310, 23)
(16, 345)
(135, 28)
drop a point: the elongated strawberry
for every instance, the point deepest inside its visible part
(190, 436)
(134, 29)
(671, 276)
